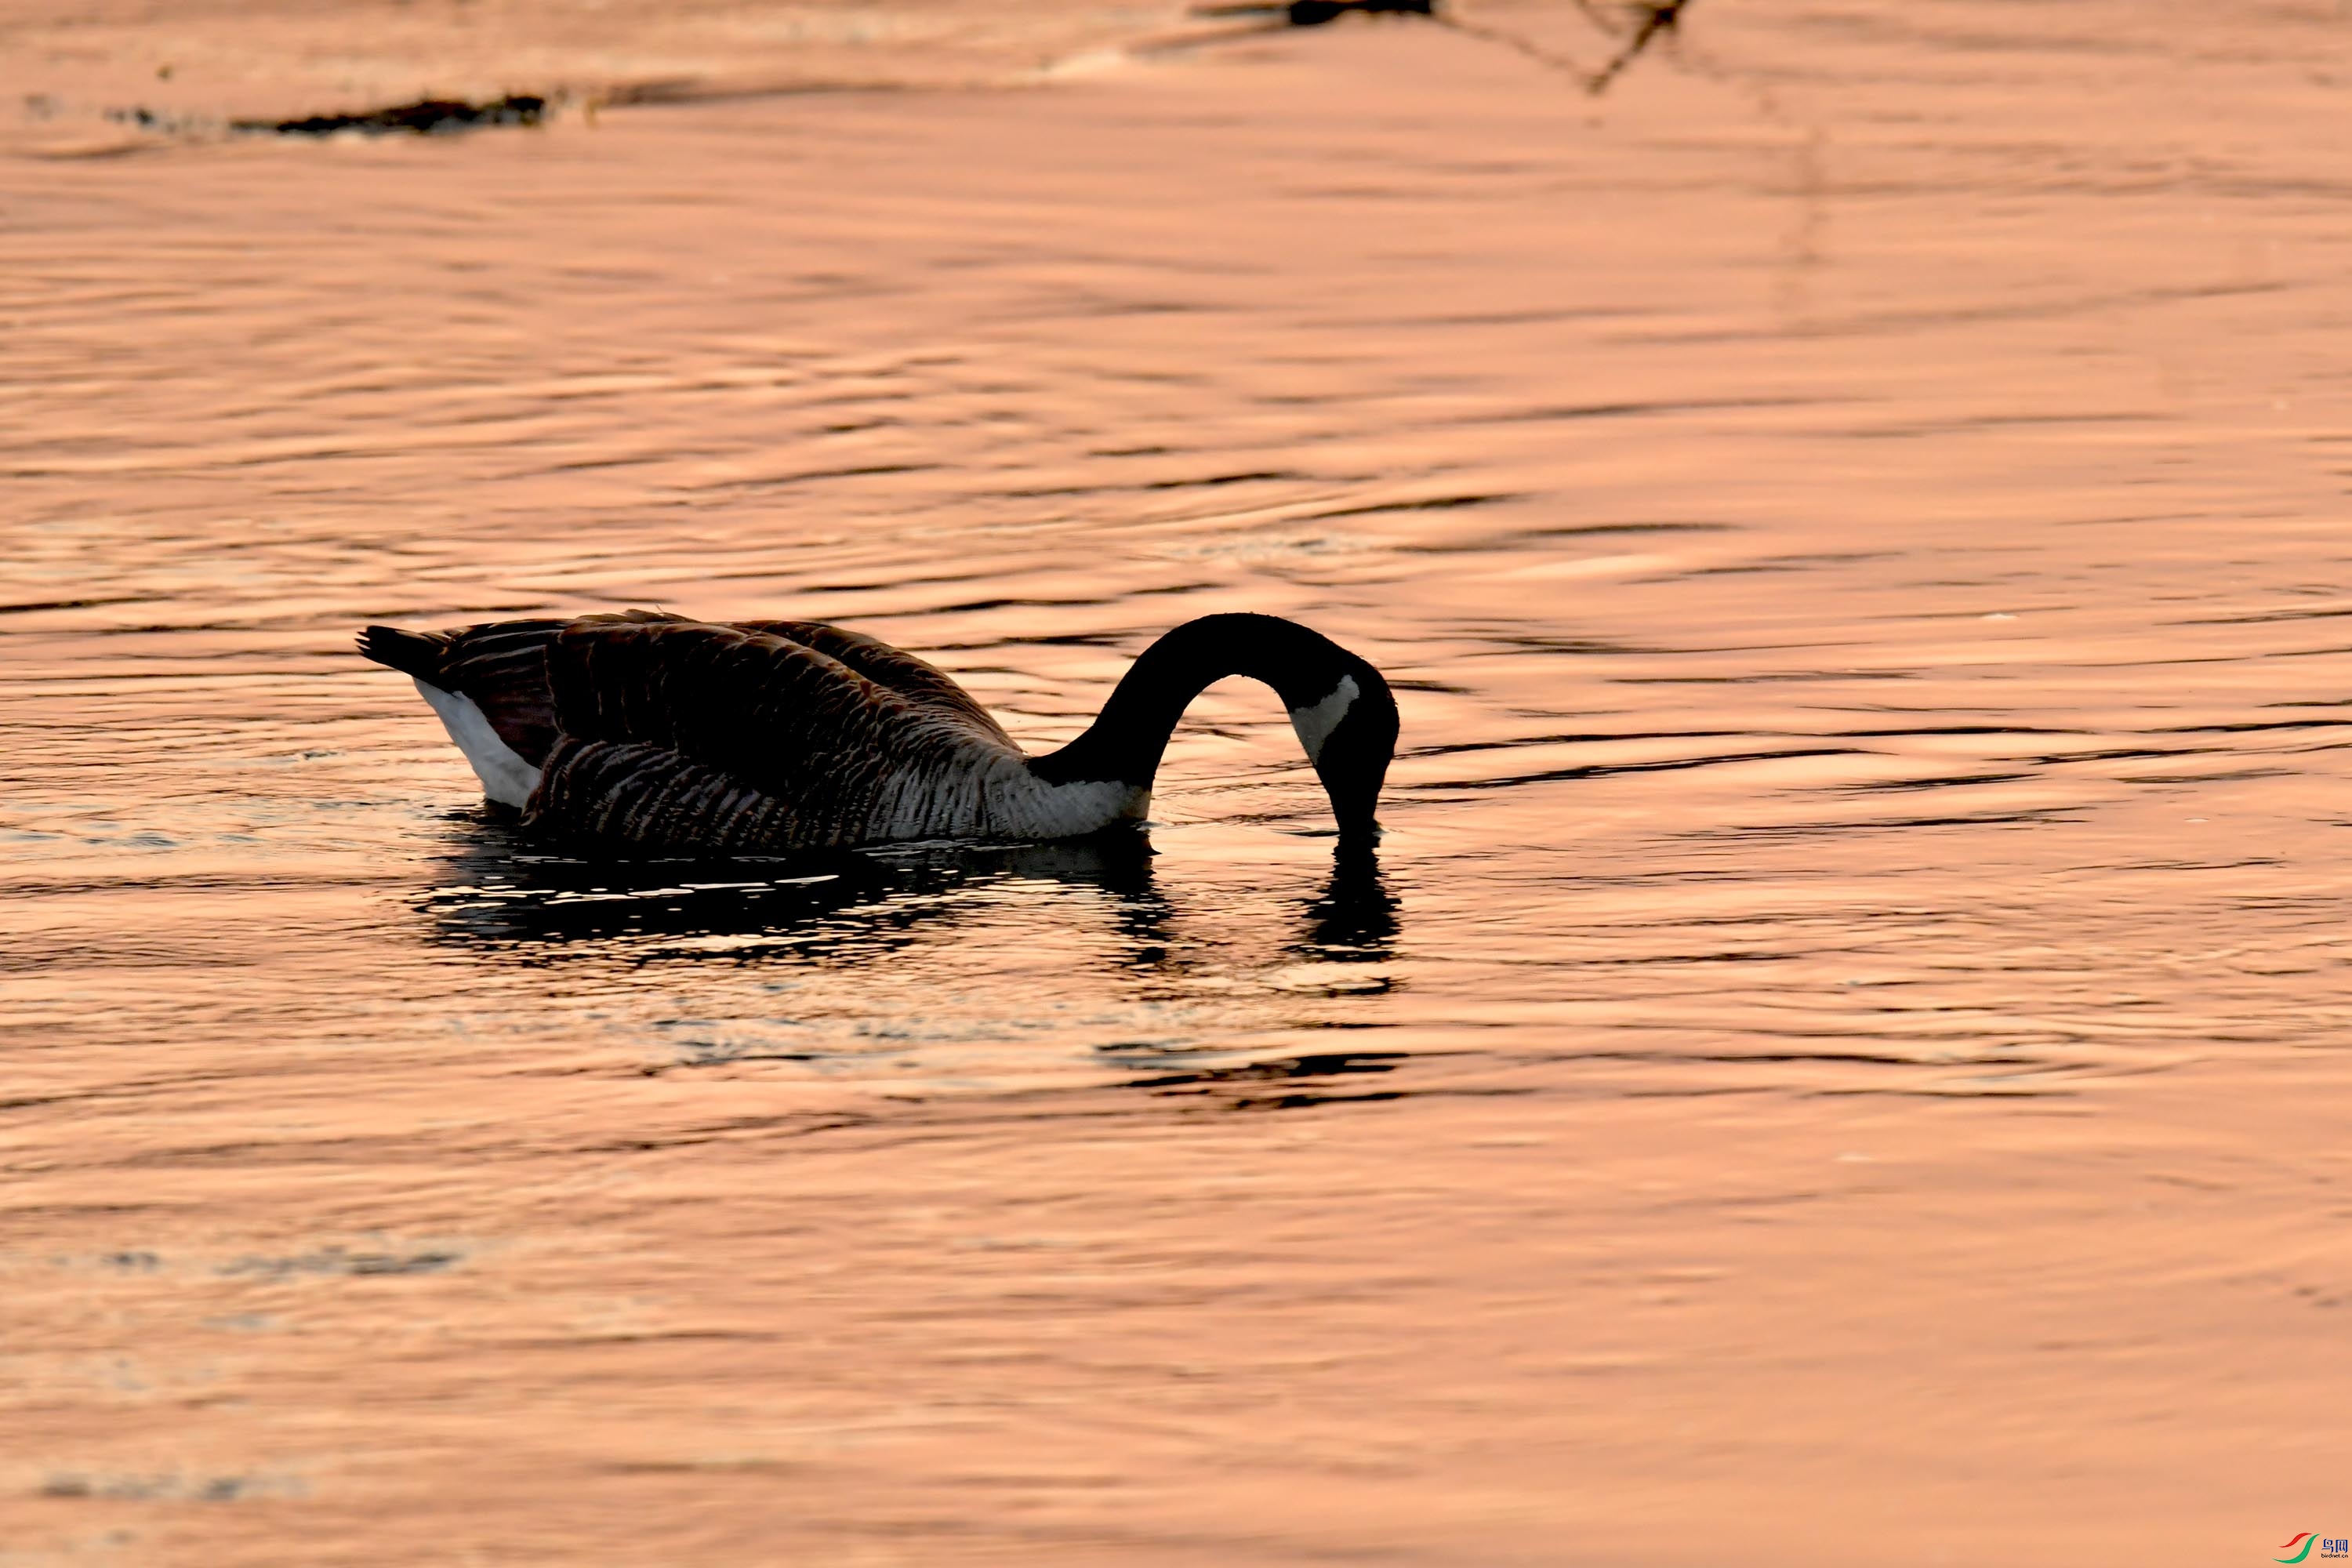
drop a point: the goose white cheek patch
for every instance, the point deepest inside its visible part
(1315, 723)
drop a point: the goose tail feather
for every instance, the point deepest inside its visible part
(417, 654)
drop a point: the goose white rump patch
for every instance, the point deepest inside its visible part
(1316, 723)
(506, 778)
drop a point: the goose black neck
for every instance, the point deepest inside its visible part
(1127, 740)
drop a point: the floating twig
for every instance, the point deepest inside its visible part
(1656, 16)
(1642, 22)
(1516, 45)
(428, 117)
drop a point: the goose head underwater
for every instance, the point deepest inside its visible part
(665, 733)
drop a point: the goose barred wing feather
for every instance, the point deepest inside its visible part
(881, 663)
(503, 667)
(732, 738)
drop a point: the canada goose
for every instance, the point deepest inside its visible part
(670, 733)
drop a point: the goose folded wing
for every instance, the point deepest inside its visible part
(894, 668)
(767, 711)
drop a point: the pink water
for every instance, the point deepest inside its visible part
(1842, 1060)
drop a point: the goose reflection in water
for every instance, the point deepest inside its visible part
(500, 892)
(900, 936)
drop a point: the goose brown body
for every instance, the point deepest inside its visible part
(668, 733)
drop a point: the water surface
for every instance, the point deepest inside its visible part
(1838, 1055)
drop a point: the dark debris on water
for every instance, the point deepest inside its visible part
(1316, 13)
(425, 117)
(1642, 22)
(1638, 23)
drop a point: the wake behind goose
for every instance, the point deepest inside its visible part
(663, 732)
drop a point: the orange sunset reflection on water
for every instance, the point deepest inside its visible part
(1837, 1059)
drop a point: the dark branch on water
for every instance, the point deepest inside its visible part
(1653, 17)
(1645, 20)
(1639, 22)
